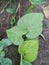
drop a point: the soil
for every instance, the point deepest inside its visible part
(11, 51)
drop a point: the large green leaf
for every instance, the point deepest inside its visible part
(15, 35)
(29, 49)
(25, 63)
(37, 1)
(31, 22)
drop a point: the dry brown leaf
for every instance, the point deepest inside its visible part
(46, 11)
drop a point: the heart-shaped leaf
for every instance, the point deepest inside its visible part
(15, 35)
(29, 49)
(31, 22)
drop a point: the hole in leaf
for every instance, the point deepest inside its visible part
(24, 37)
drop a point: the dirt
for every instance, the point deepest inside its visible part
(11, 51)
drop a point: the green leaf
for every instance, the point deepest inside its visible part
(29, 49)
(2, 54)
(1, 59)
(6, 42)
(11, 10)
(1, 47)
(38, 1)
(15, 35)
(6, 61)
(29, 9)
(25, 63)
(31, 22)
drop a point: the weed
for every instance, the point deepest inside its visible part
(30, 25)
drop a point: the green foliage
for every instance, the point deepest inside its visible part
(31, 22)
(25, 63)
(15, 35)
(4, 43)
(27, 25)
(2, 54)
(1, 47)
(11, 10)
(6, 61)
(29, 9)
(37, 1)
(29, 50)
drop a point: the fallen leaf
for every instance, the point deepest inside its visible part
(46, 11)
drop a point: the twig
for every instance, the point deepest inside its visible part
(19, 8)
(4, 7)
(16, 10)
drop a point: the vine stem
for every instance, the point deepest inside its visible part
(21, 60)
(19, 18)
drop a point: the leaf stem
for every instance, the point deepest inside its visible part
(29, 9)
(21, 60)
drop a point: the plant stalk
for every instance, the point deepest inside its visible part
(21, 60)
(29, 9)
